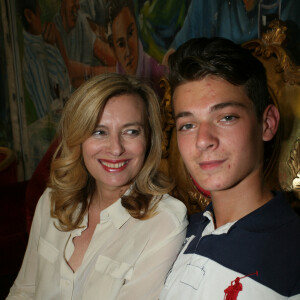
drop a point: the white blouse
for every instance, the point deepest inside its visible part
(127, 258)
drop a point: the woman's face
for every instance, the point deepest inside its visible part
(115, 152)
(125, 40)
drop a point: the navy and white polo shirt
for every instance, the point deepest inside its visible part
(258, 257)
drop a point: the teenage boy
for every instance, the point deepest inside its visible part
(246, 244)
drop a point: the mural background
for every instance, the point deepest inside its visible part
(49, 47)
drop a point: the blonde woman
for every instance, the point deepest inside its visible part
(106, 227)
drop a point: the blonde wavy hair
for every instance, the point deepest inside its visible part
(70, 181)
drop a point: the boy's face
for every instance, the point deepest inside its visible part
(219, 136)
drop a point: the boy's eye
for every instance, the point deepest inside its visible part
(229, 118)
(186, 127)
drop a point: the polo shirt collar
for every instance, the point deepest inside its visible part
(271, 215)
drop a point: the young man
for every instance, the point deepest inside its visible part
(246, 244)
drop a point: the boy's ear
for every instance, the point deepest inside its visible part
(28, 15)
(271, 119)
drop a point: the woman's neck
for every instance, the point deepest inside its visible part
(104, 197)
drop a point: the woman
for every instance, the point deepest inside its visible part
(105, 229)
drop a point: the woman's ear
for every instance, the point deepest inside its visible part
(271, 119)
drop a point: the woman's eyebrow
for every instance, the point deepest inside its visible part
(133, 124)
(125, 125)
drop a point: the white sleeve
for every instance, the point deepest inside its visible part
(24, 285)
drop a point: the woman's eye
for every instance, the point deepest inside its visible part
(186, 127)
(99, 132)
(132, 132)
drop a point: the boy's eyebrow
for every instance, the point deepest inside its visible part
(182, 115)
(213, 108)
(226, 104)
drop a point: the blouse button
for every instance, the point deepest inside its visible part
(66, 283)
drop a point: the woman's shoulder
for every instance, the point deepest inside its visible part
(44, 202)
(46, 194)
(173, 208)
(169, 202)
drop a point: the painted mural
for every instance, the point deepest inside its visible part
(65, 42)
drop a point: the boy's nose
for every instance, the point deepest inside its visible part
(206, 137)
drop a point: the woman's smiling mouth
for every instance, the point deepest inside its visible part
(114, 166)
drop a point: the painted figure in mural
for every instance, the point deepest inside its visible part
(106, 227)
(245, 245)
(123, 37)
(81, 44)
(74, 28)
(158, 24)
(236, 20)
(128, 49)
(94, 9)
(45, 72)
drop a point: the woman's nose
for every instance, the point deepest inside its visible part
(116, 147)
(206, 137)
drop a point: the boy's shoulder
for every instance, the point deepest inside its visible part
(274, 214)
(277, 214)
(267, 239)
